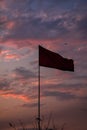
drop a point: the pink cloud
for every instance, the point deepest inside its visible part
(9, 94)
(48, 43)
(3, 4)
(10, 25)
(11, 57)
(6, 55)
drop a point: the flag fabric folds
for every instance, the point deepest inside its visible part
(51, 59)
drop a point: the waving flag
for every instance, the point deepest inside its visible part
(51, 59)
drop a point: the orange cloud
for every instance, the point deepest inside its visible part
(6, 54)
(11, 56)
(14, 96)
(24, 98)
(49, 43)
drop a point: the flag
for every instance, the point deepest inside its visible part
(51, 59)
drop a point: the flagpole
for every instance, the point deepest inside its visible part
(39, 97)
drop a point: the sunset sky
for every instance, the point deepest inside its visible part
(60, 26)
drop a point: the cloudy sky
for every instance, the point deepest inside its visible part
(60, 26)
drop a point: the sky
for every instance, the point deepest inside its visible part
(60, 26)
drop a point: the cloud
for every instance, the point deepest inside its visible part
(36, 28)
(82, 27)
(14, 95)
(7, 54)
(34, 62)
(49, 24)
(5, 84)
(12, 56)
(16, 92)
(11, 52)
(6, 90)
(32, 105)
(24, 73)
(19, 88)
(60, 95)
(46, 26)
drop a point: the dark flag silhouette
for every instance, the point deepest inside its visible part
(51, 59)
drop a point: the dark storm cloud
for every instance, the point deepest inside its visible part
(24, 73)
